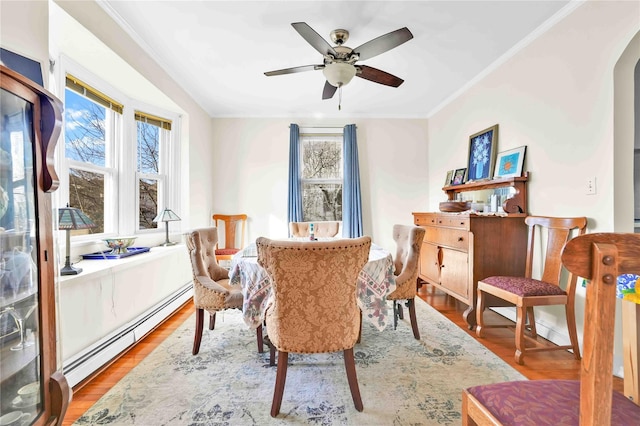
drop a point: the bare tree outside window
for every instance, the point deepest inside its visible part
(148, 166)
(321, 178)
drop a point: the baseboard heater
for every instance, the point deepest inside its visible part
(83, 364)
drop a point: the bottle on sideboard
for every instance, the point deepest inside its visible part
(311, 232)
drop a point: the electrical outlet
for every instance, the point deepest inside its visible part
(590, 189)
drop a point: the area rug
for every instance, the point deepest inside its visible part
(403, 381)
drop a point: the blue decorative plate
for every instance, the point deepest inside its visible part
(131, 251)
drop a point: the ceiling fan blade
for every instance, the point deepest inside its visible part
(329, 90)
(314, 39)
(378, 76)
(383, 43)
(294, 70)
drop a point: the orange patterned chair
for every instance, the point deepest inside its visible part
(313, 307)
(211, 289)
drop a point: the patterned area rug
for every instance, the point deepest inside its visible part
(402, 381)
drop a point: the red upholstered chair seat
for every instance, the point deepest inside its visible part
(524, 287)
(226, 252)
(546, 402)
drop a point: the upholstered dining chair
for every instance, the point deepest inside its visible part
(591, 401)
(211, 289)
(526, 292)
(313, 307)
(231, 244)
(408, 240)
(322, 229)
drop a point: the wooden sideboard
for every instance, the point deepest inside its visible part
(459, 249)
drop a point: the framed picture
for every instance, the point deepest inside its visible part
(447, 181)
(509, 163)
(482, 154)
(458, 176)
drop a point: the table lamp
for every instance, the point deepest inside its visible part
(70, 218)
(166, 216)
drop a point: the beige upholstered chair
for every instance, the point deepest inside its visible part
(231, 225)
(590, 401)
(313, 308)
(408, 240)
(527, 292)
(324, 229)
(211, 289)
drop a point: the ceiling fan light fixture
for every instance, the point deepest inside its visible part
(339, 74)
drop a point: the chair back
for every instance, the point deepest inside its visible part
(559, 231)
(231, 225)
(201, 245)
(313, 307)
(323, 229)
(408, 240)
(600, 258)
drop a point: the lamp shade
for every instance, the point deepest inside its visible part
(72, 218)
(166, 215)
(339, 74)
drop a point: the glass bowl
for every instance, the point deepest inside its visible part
(119, 244)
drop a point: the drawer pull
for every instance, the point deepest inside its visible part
(461, 223)
(460, 239)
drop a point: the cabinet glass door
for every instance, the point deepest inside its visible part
(20, 352)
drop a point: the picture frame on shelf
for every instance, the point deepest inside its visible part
(449, 177)
(482, 154)
(509, 163)
(458, 176)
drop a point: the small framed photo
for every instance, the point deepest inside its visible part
(509, 163)
(458, 176)
(447, 180)
(482, 154)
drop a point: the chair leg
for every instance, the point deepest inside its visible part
(531, 320)
(360, 329)
(350, 366)
(199, 325)
(281, 378)
(412, 316)
(521, 318)
(260, 339)
(212, 321)
(573, 334)
(479, 313)
(400, 310)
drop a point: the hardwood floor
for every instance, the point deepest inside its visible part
(544, 365)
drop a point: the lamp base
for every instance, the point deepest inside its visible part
(167, 244)
(70, 270)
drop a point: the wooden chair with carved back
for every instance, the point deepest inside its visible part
(600, 258)
(231, 243)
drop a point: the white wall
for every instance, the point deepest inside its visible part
(252, 159)
(556, 96)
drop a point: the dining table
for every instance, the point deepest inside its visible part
(376, 280)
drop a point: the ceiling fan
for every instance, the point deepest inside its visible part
(339, 64)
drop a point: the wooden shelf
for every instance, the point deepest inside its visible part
(516, 204)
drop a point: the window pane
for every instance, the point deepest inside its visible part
(84, 129)
(322, 201)
(148, 190)
(86, 192)
(322, 158)
(148, 148)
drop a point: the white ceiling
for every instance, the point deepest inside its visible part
(219, 50)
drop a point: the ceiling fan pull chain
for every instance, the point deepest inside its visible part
(340, 97)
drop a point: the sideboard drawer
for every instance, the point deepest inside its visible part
(454, 238)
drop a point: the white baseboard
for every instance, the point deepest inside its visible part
(83, 364)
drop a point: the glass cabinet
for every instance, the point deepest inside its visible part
(32, 391)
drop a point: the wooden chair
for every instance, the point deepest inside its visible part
(590, 401)
(322, 229)
(313, 308)
(231, 244)
(527, 292)
(211, 289)
(408, 240)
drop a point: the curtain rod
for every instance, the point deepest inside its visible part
(321, 127)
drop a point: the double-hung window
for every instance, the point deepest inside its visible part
(322, 176)
(121, 158)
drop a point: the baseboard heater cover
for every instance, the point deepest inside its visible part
(80, 366)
